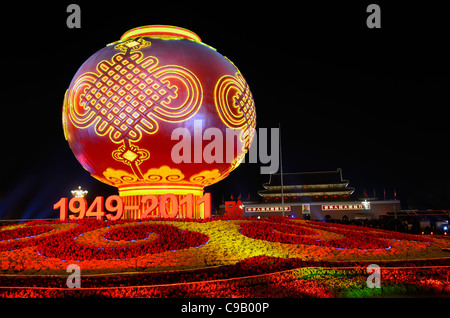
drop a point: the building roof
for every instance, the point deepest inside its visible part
(307, 184)
(306, 178)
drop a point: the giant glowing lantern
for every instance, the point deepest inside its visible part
(140, 101)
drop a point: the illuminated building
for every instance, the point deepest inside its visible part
(125, 101)
(316, 196)
(307, 187)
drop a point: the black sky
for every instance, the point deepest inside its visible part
(370, 101)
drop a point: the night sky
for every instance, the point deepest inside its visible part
(370, 101)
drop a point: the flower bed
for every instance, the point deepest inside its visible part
(254, 277)
(129, 233)
(294, 234)
(29, 234)
(169, 238)
(287, 231)
(144, 244)
(217, 258)
(22, 232)
(383, 234)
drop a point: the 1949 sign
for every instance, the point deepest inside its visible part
(168, 204)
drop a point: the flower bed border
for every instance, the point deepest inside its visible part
(217, 286)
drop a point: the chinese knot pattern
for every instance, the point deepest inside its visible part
(127, 96)
(235, 106)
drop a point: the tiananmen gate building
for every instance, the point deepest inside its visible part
(316, 196)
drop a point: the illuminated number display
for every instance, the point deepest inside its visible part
(167, 206)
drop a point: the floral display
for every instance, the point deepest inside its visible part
(169, 237)
(219, 257)
(285, 231)
(20, 232)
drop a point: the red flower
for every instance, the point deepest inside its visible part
(169, 238)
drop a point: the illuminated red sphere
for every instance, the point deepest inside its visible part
(125, 102)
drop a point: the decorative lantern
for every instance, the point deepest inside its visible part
(126, 101)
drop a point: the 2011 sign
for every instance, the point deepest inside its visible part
(168, 206)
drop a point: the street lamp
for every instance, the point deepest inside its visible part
(79, 193)
(366, 205)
